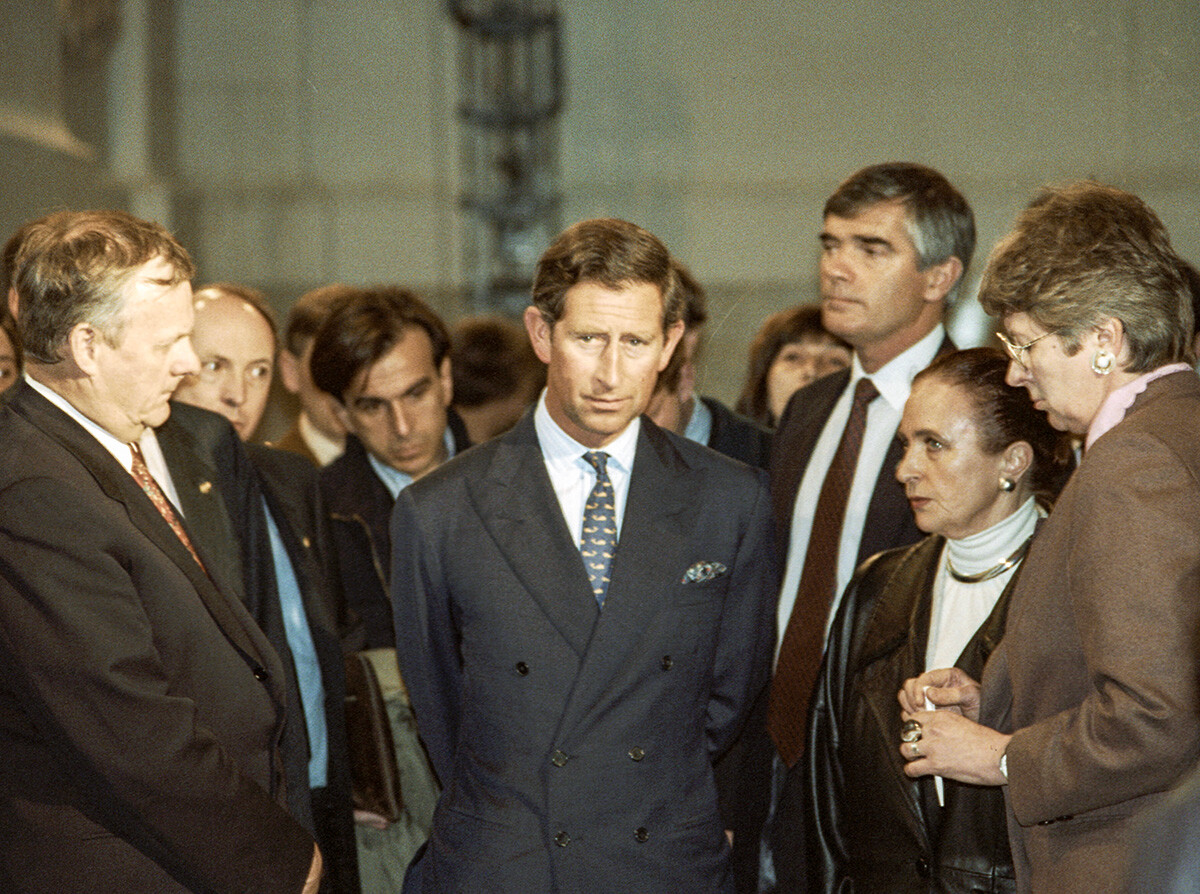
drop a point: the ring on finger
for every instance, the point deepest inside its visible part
(911, 731)
(915, 750)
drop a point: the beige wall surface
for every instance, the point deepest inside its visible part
(317, 140)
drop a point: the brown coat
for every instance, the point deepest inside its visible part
(1097, 671)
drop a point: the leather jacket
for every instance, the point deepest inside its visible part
(868, 826)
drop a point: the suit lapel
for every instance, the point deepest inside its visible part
(118, 484)
(518, 506)
(793, 445)
(204, 515)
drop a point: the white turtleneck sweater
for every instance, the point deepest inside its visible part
(960, 609)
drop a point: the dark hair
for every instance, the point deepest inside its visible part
(1004, 414)
(256, 298)
(1084, 252)
(72, 267)
(364, 327)
(309, 312)
(611, 252)
(940, 221)
(491, 358)
(787, 327)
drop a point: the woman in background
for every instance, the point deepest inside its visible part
(790, 350)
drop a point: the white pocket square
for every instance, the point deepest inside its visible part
(703, 571)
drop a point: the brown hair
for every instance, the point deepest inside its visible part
(309, 312)
(1085, 252)
(610, 252)
(72, 268)
(365, 326)
(787, 327)
(1004, 414)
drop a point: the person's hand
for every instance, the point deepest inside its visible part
(948, 744)
(372, 819)
(315, 870)
(947, 689)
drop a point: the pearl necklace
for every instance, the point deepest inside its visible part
(994, 571)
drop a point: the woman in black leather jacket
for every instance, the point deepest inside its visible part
(978, 458)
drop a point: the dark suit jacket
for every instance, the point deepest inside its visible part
(289, 484)
(360, 508)
(576, 745)
(140, 706)
(1096, 676)
(221, 485)
(738, 436)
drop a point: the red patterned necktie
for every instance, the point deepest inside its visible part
(804, 638)
(141, 474)
(599, 540)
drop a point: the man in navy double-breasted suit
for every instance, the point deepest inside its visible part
(572, 703)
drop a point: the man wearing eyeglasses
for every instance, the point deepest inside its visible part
(896, 242)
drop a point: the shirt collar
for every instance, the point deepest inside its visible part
(119, 449)
(559, 448)
(699, 427)
(894, 378)
(1118, 403)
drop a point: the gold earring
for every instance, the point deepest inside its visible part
(1102, 362)
(1007, 484)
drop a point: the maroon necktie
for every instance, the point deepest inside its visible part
(141, 474)
(804, 639)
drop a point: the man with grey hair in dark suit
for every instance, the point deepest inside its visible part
(141, 709)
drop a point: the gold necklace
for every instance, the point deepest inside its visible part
(994, 571)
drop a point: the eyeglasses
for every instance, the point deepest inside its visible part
(1017, 352)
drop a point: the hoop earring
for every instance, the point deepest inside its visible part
(1007, 484)
(1102, 362)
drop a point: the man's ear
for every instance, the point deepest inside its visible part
(82, 344)
(446, 381)
(941, 278)
(289, 371)
(539, 333)
(674, 334)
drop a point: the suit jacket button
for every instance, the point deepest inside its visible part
(922, 867)
(559, 759)
(667, 662)
(562, 839)
(636, 753)
(641, 834)
(260, 673)
(522, 668)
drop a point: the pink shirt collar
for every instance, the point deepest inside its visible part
(1116, 404)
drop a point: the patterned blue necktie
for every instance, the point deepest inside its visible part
(599, 540)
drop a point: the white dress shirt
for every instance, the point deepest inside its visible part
(894, 381)
(119, 449)
(573, 477)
